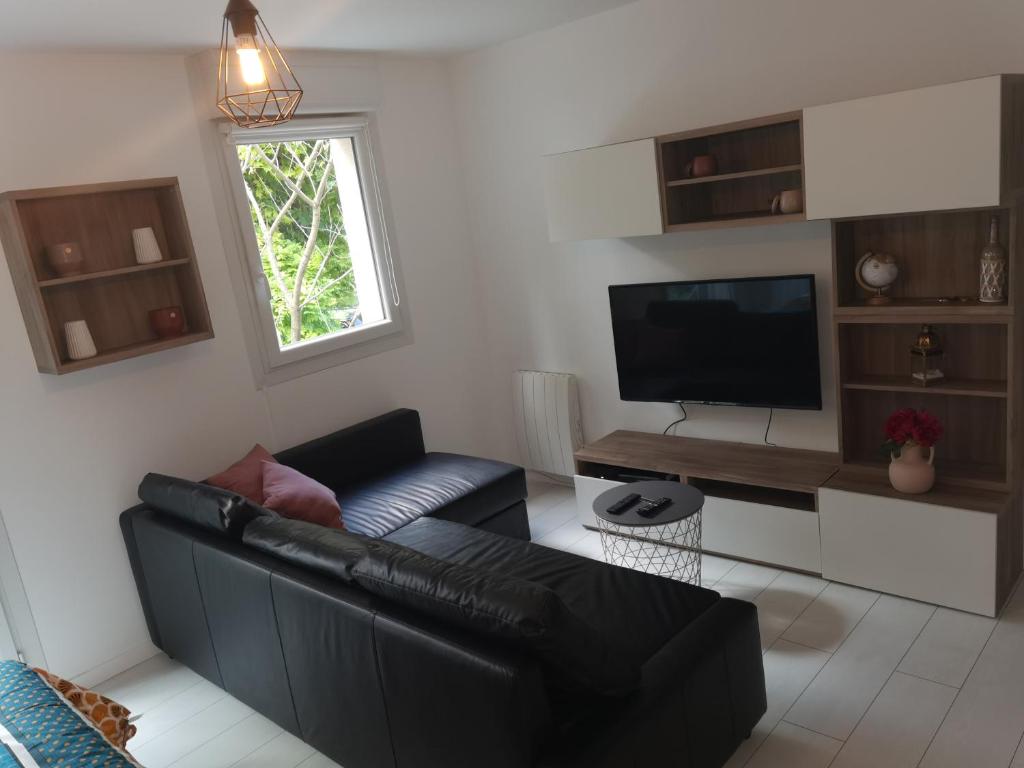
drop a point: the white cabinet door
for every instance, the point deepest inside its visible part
(926, 552)
(777, 535)
(603, 192)
(588, 489)
(922, 150)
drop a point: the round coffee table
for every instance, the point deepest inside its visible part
(667, 544)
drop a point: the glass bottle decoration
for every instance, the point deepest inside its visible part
(993, 267)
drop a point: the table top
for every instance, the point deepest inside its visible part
(686, 501)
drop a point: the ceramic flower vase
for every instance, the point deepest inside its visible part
(912, 471)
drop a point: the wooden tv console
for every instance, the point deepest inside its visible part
(798, 510)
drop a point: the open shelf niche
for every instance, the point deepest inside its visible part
(756, 160)
(114, 294)
(938, 255)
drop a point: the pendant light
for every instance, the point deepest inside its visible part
(255, 85)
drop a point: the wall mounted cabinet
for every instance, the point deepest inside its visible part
(944, 147)
(928, 149)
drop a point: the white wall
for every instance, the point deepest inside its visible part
(658, 66)
(75, 447)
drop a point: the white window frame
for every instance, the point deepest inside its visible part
(316, 354)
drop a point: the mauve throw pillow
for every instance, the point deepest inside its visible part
(291, 494)
(245, 477)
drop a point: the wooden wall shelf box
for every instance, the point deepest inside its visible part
(114, 294)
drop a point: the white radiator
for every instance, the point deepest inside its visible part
(548, 425)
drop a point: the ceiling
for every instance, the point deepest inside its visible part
(187, 25)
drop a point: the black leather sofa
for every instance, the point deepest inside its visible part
(433, 634)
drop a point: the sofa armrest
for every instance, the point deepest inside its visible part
(705, 686)
(360, 451)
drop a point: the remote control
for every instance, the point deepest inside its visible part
(652, 508)
(623, 504)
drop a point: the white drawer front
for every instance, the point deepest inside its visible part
(777, 535)
(926, 552)
(922, 150)
(588, 489)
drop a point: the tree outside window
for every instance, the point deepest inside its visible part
(318, 262)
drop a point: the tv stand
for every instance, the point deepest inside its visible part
(803, 511)
(761, 501)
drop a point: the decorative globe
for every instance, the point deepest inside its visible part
(875, 273)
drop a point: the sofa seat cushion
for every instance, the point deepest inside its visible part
(448, 486)
(634, 611)
(510, 610)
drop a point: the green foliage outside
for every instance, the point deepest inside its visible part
(296, 212)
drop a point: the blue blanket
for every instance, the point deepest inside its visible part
(39, 729)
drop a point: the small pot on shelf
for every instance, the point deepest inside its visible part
(65, 259)
(700, 166)
(167, 322)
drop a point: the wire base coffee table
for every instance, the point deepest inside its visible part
(668, 544)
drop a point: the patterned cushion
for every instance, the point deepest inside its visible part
(39, 729)
(109, 716)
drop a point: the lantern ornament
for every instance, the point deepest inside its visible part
(255, 85)
(926, 357)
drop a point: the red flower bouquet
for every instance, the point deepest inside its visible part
(909, 427)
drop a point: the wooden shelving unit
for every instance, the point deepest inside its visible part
(979, 398)
(115, 294)
(756, 160)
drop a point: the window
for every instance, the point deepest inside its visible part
(313, 227)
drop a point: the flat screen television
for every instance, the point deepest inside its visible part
(751, 341)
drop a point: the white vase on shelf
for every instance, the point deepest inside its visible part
(147, 250)
(79, 339)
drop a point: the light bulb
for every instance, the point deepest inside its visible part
(249, 59)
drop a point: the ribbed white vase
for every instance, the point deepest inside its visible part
(80, 343)
(147, 250)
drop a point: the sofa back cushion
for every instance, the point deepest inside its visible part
(515, 611)
(329, 551)
(199, 504)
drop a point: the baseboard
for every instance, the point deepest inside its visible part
(116, 665)
(533, 476)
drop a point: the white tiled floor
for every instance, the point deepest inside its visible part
(855, 679)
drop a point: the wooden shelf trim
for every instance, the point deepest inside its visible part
(747, 219)
(732, 176)
(133, 350)
(925, 307)
(107, 273)
(785, 468)
(874, 481)
(961, 387)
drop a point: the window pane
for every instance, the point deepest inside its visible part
(312, 233)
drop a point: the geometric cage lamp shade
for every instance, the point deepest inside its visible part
(255, 85)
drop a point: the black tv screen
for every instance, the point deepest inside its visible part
(752, 341)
